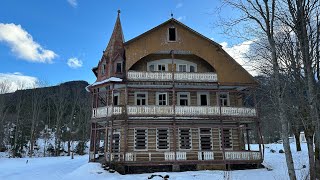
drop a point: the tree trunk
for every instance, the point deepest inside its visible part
(297, 137)
(69, 147)
(309, 139)
(317, 155)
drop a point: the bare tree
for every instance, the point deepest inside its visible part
(263, 14)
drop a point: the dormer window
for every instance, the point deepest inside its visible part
(172, 34)
(119, 68)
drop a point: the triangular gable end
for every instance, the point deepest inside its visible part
(228, 70)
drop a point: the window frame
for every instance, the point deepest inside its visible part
(199, 98)
(228, 99)
(118, 99)
(186, 65)
(121, 67)
(179, 98)
(175, 33)
(157, 98)
(136, 98)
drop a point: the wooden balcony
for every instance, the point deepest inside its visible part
(167, 76)
(179, 111)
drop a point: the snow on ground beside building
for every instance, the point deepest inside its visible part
(79, 169)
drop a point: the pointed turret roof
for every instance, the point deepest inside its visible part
(115, 46)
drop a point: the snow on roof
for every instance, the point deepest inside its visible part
(111, 79)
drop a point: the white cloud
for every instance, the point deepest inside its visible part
(15, 81)
(22, 44)
(73, 3)
(179, 5)
(240, 53)
(181, 18)
(74, 62)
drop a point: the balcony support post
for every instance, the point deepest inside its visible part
(174, 106)
(111, 128)
(221, 131)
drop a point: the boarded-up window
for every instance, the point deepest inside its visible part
(205, 139)
(116, 143)
(185, 138)
(227, 136)
(162, 139)
(141, 140)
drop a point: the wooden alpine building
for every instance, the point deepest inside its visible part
(172, 99)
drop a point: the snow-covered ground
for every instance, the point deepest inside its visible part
(79, 169)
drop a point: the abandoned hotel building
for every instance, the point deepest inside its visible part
(172, 98)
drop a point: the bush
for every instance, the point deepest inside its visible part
(281, 151)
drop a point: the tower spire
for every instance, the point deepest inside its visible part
(115, 45)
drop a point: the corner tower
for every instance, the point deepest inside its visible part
(112, 63)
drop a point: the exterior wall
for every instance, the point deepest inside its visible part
(156, 41)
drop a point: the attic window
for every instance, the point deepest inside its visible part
(119, 68)
(172, 34)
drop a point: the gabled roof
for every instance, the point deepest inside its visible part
(170, 21)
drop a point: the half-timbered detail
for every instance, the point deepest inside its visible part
(169, 98)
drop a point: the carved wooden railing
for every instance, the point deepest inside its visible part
(167, 76)
(179, 110)
(243, 155)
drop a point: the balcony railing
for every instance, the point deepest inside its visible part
(179, 110)
(243, 155)
(183, 156)
(167, 76)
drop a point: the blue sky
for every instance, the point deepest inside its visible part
(38, 38)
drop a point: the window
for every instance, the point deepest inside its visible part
(140, 139)
(185, 138)
(162, 139)
(116, 99)
(162, 99)
(182, 68)
(227, 136)
(151, 67)
(172, 34)
(119, 68)
(203, 99)
(205, 139)
(183, 98)
(161, 67)
(103, 69)
(223, 99)
(192, 69)
(141, 98)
